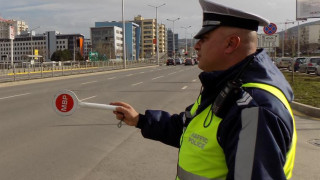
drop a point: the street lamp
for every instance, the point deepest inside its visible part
(303, 20)
(124, 36)
(173, 20)
(31, 39)
(157, 36)
(187, 27)
(285, 31)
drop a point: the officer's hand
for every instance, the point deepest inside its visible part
(126, 113)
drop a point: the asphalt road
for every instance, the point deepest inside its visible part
(38, 144)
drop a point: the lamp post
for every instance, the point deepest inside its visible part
(173, 20)
(303, 20)
(157, 33)
(185, 28)
(124, 37)
(31, 39)
(284, 34)
(192, 44)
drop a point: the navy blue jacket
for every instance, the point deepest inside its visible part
(275, 126)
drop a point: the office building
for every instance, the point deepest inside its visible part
(132, 37)
(46, 44)
(170, 43)
(87, 47)
(107, 41)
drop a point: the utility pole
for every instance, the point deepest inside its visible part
(185, 28)
(157, 29)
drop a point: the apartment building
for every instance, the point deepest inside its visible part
(19, 27)
(149, 36)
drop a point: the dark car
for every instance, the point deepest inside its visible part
(297, 61)
(189, 62)
(170, 62)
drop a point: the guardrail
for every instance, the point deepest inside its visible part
(27, 70)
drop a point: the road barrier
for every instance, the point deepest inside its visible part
(26, 70)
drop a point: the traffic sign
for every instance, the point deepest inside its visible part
(270, 29)
(270, 38)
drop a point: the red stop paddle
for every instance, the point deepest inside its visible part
(65, 103)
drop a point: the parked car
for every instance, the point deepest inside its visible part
(189, 62)
(170, 62)
(195, 61)
(297, 61)
(283, 62)
(178, 61)
(318, 70)
(310, 65)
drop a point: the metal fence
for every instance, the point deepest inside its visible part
(26, 70)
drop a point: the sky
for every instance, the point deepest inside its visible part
(77, 16)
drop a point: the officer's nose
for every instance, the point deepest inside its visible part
(197, 45)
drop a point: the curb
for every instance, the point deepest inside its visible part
(306, 109)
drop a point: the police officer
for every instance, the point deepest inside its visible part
(241, 126)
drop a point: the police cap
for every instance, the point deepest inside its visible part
(215, 15)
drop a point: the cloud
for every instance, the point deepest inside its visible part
(77, 16)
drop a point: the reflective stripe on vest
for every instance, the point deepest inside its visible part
(290, 156)
(189, 176)
(200, 155)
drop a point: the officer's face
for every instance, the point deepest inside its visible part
(211, 50)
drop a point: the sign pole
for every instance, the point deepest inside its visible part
(270, 30)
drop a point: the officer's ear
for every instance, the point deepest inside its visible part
(233, 42)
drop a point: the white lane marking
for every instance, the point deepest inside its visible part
(14, 96)
(88, 98)
(89, 82)
(184, 87)
(129, 74)
(172, 73)
(141, 72)
(194, 80)
(136, 83)
(157, 77)
(112, 78)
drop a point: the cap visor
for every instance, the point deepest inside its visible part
(204, 30)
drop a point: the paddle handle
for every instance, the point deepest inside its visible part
(97, 106)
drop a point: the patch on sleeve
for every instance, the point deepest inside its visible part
(245, 100)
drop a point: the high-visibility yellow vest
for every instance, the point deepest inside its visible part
(200, 155)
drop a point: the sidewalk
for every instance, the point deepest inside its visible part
(306, 109)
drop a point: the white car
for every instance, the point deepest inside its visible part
(284, 62)
(317, 69)
(310, 65)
